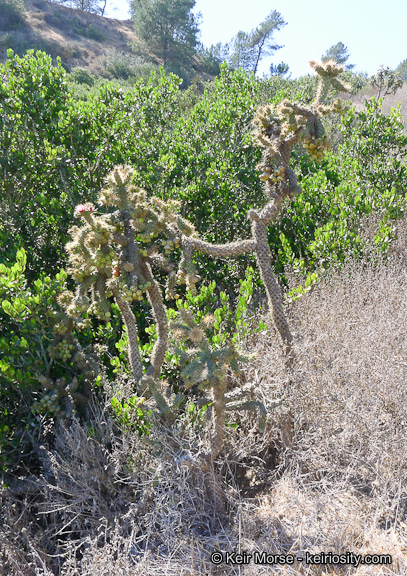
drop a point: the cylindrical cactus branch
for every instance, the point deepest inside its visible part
(132, 335)
(263, 256)
(277, 130)
(111, 256)
(207, 367)
(157, 304)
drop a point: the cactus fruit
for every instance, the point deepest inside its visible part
(112, 255)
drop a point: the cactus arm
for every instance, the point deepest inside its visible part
(219, 250)
(149, 386)
(218, 392)
(157, 304)
(250, 405)
(263, 257)
(132, 335)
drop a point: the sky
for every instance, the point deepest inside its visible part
(373, 31)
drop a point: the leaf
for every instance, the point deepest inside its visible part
(7, 307)
(19, 305)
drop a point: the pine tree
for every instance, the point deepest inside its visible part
(166, 28)
(339, 53)
(402, 70)
(247, 49)
(262, 37)
(279, 69)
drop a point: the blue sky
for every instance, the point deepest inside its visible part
(375, 32)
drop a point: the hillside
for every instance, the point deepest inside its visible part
(80, 39)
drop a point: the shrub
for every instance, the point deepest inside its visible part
(126, 66)
(81, 76)
(11, 14)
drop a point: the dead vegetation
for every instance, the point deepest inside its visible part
(390, 101)
(80, 39)
(108, 501)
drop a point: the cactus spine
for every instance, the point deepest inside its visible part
(112, 255)
(208, 368)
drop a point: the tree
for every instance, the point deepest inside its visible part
(241, 52)
(247, 49)
(167, 28)
(279, 69)
(92, 6)
(262, 37)
(339, 53)
(213, 57)
(402, 70)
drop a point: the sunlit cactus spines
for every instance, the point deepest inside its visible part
(276, 130)
(112, 256)
(208, 368)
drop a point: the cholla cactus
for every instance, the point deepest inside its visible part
(208, 368)
(112, 255)
(386, 81)
(277, 130)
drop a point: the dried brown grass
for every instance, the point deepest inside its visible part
(329, 473)
(390, 101)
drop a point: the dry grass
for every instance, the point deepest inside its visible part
(389, 102)
(81, 39)
(329, 473)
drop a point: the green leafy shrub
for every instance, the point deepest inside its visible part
(81, 76)
(374, 148)
(56, 151)
(33, 97)
(127, 66)
(43, 368)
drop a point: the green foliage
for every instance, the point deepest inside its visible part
(56, 151)
(401, 70)
(197, 148)
(374, 148)
(275, 88)
(130, 413)
(169, 30)
(339, 53)
(320, 228)
(246, 49)
(203, 364)
(279, 69)
(211, 58)
(91, 6)
(356, 80)
(28, 316)
(210, 167)
(32, 101)
(127, 66)
(81, 76)
(261, 38)
(88, 31)
(386, 81)
(224, 320)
